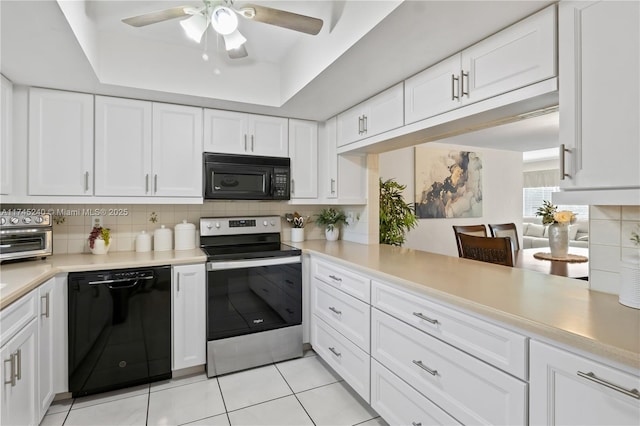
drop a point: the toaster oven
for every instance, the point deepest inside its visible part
(24, 235)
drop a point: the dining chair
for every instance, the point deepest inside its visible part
(477, 230)
(506, 230)
(487, 249)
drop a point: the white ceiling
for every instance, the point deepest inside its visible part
(363, 48)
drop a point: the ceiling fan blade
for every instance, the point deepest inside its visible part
(281, 18)
(155, 17)
(238, 53)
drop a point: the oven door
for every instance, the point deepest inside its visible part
(25, 243)
(250, 296)
(237, 182)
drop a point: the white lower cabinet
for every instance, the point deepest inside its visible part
(468, 389)
(48, 294)
(400, 404)
(348, 360)
(19, 373)
(188, 320)
(568, 389)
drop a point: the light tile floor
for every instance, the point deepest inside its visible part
(303, 391)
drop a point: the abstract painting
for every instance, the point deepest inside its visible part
(448, 183)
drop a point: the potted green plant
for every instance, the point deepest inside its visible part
(396, 216)
(331, 218)
(99, 240)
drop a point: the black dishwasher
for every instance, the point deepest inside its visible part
(119, 328)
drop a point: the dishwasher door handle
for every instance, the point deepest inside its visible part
(121, 280)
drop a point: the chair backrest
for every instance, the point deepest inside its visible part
(487, 249)
(478, 230)
(506, 230)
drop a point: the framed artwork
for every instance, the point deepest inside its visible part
(448, 183)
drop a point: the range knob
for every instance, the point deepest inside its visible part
(273, 223)
(3, 220)
(265, 223)
(26, 220)
(14, 220)
(218, 225)
(39, 219)
(208, 225)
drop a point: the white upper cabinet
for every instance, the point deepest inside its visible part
(518, 56)
(600, 96)
(239, 133)
(327, 160)
(177, 151)
(123, 147)
(567, 389)
(523, 54)
(6, 136)
(379, 114)
(147, 149)
(303, 148)
(60, 143)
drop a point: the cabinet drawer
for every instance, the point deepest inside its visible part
(349, 361)
(17, 315)
(465, 387)
(400, 404)
(338, 277)
(346, 314)
(497, 346)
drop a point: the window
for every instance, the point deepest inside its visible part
(532, 198)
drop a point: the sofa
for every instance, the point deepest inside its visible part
(534, 233)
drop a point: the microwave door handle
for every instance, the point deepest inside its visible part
(272, 189)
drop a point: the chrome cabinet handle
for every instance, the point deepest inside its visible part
(633, 393)
(86, 181)
(426, 318)
(336, 353)
(293, 186)
(425, 368)
(19, 364)
(245, 142)
(361, 125)
(333, 186)
(178, 283)
(455, 79)
(563, 172)
(335, 311)
(12, 374)
(416, 424)
(251, 143)
(146, 183)
(462, 76)
(335, 278)
(366, 123)
(46, 305)
(155, 184)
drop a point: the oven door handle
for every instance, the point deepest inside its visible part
(239, 264)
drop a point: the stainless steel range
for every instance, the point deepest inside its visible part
(254, 293)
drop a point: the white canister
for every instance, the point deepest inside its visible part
(630, 281)
(185, 236)
(143, 242)
(162, 239)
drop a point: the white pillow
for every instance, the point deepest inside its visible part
(535, 230)
(573, 231)
(524, 228)
(584, 238)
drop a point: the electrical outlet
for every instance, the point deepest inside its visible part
(350, 218)
(96, 221)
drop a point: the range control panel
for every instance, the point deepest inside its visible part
(239, 225)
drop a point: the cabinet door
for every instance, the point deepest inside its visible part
(327, 160)
(599, 108)
(518, 56)
(123, 147)
(177, 151)
(18, 378)
(6, 136)
(350, 125)
(559, 394)
(352, 178)
(47, 361)
(225, 132)
(189, 316)
(60, 143)
(433, 91)
(303, 146)
(384, 111)
(268, 136)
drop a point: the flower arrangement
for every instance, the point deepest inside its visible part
(331, 217)
(296, 220)
(550, 214)
(99, 233)
(635, 236)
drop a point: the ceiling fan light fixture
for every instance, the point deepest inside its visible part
(194, 27)
(224, 20)
(234, 40)
(247, 12)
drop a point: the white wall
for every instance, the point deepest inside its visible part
(502, 195)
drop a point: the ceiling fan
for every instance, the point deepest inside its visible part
(222, 15)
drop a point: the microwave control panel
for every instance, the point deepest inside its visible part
(281, 183)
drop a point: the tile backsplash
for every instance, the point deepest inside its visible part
(610, 241)
(73, 222)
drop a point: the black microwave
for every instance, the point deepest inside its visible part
(246, 177)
